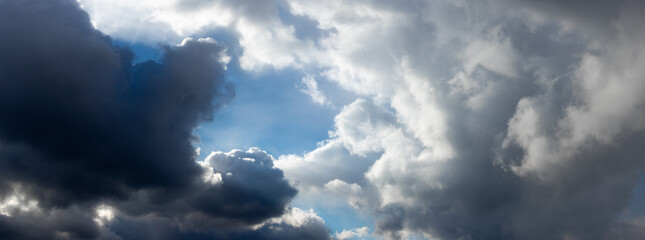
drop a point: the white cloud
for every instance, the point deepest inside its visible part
(310, 87)
(17, 203)
(362, 125)
(353, 233)
(265, 40)
(210, 176)
(297, 217)
(104, 214)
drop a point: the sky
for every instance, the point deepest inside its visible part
(293, 119)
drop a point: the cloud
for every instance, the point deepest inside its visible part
(91, 115)
(310, 87)
(489, 119)
(349, 152)
(257, 26)
(353, 233)
(507, 123)
(94, 146)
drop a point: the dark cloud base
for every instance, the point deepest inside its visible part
(81, 126)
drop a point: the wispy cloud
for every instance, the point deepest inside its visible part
(309, 86)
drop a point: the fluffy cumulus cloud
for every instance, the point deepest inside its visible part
(257, 25)
(491, 119)
(509, 120)
(94, 146)
(354, 233)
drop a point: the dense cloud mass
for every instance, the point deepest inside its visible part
(491, 119)
(518, 120)
(94, 146)
(75, 109)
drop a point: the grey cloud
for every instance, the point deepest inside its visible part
(82, 126)
(594, 18)
(294, 224)
(70, 223)
(249, 191)
(76, 111)
(541, 105)
(257, 10)
(482, 200)
(542, 148)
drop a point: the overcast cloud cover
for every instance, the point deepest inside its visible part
(452, 119)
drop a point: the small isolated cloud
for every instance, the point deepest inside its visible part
(356, 233)
(310, 87)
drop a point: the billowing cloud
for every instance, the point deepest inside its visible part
(77, 111)
(486, 119)
(94, 146)
(360, 128)
(257, 26)
(506, 124)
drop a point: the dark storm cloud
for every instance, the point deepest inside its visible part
(81, 126)
(311, 230)
(250, 182)
(77, 112)
(247, 191)
(72, 223)
(163, 229)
